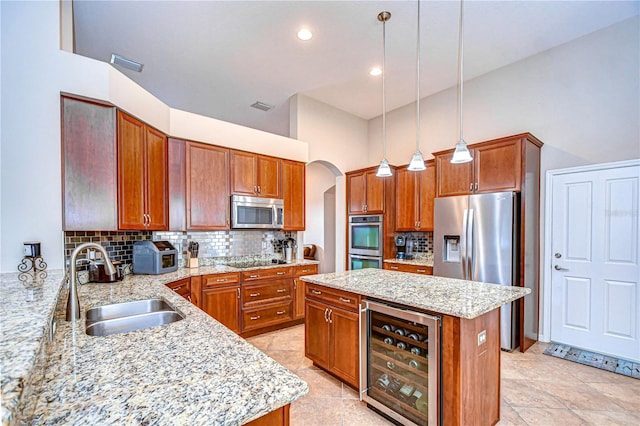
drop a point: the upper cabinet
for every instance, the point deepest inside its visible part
(89, 169)
(496, 166)
(415, 192)
(255, 175)
(207, 188)
(177, 185)
(365, 192)
(293, 190)
(142, 176)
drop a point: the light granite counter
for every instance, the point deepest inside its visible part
(458, 298)
(193, 371)
(423, 261)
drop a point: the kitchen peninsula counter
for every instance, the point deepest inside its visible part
(193, 371)
(457, 298)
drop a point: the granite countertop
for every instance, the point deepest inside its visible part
(423, 261)
(458, 298)
(193, 371)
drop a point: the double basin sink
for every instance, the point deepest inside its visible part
(130, 316)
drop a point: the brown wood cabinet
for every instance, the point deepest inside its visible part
(415, 192)
(267, 297)
(293, 193)
(255, 175)
(299, 288)
(414, 269)
(182, 287)
(196, 291)
(365, 192)
(142, 176)
(332, 331)
(207, 187)
(497, 166)
(278, 417)
(221, 299)
(177, 184)
(89, 166)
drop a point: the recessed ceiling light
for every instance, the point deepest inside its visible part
(126, 63)
(262, 106)
(375, 71)
(304, 34)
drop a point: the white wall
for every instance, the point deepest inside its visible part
(33, 73)
(319, 179)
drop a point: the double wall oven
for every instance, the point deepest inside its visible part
(365, 242)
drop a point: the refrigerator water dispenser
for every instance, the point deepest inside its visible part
(451, 252)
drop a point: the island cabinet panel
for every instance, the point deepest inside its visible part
(293, 193)
(207, 187)
(196, 291)
(182, 287)
(332, 331)
(470, 372)
(223, 304)
(89, 166)
(177, 185)
(255, 175)
(278, 417)
(299, 288)
(365, 192)
(414, 269)
(415, 191)
(142, 176)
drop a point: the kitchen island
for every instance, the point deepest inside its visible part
(193, 371)
(469, 390)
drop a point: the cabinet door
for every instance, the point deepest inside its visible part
(131, 172)
(293, 187)
(177, 175)
(207, 187)
(196, 291)
(345, 352)
(427, 194)
(268, 180)
(223, 304)
(298, 298)
(374, 198)
(453, 179)
(498, 166)
(317, 333)
(356, 191)
(156, 186)
(406, 195)
(90, 185)
(243, 173)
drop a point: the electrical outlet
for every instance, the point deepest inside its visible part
(264, 245)
(482, 337)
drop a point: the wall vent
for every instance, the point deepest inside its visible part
(262, 106)
(126, 63)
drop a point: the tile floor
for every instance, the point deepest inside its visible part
(537, 390)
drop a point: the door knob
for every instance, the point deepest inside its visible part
(557, 255)
(559, 268)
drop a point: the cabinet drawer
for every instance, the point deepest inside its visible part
(414, 269)
(215, 280)
(267, 274)
(182, 287)
(269, 292)
(263, 317)
(349, 301)
(305, 270)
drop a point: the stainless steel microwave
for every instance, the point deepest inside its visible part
(256, 213)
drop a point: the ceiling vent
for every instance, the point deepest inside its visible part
(262, 106)
(126, 63)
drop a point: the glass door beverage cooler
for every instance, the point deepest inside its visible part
(400, 363)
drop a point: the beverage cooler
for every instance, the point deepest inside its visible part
(400, 363)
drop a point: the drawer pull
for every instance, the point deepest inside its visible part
(281, 290)
(221, 280)
(316, 292)
(254, 294)
(257, 317)
(421, 270)
(394, 267)
(281, 312)
(305, 270)
(254, 276)
(342, 299)
(178, 288)
(280, 273)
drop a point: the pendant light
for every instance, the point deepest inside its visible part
(461, 154)
(417, 161)
(383, 169)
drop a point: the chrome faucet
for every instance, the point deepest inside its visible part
(73, 305)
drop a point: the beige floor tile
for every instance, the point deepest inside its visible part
(262, 342)
(321, 384)
(609, 418)
(310, 411)
(293, 360)
(356, 413)
(509, 416)
(521, 393)
(348, 393)
(578, 396)
(549, 416)
(626, 395)
(588, 374)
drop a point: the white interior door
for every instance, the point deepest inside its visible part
(595, 295)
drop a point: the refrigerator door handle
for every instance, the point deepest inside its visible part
(463, 244)
(470, 244)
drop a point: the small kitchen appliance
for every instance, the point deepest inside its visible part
(154, 257)
(400, 246)
(256, 212)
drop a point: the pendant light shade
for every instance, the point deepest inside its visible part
(384, 170)
(417, 161)
(461, 154)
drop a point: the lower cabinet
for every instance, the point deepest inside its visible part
(182, 287)
(299, 287)
(332, 332)
(266, 303)
(414, 269)
(221, 299)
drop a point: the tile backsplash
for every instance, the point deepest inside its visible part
(422, 241)
(119, 244)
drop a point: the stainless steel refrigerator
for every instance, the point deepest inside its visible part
(476, 238)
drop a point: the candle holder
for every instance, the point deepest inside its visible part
(33, 264)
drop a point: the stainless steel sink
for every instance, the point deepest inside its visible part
(130, 316)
